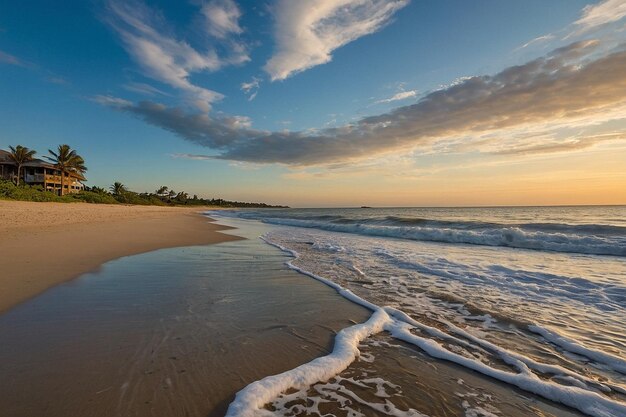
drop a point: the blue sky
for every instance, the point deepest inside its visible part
(326, 102)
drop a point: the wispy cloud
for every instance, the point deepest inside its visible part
(57, 80)
(222, 18)
(9, 59)
(600, 14)
(539, 39)
(402, 95)
(570, 86)
(46, 75)
(572, 144)
(110, 101)
(191, 156)
(308, 31)
(251, 88)
(143, 88)
(150, 41)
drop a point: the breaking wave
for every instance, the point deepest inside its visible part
(589, 239)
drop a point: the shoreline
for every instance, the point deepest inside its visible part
(46, 244)
(174, 332)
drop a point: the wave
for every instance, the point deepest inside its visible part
(589, 239)
(614, 362)
(582, 395)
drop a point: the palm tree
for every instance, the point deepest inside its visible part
(118, 188)
(20, 155)
(98, 190)
(67, 161)
(182, 197)
(163, 190)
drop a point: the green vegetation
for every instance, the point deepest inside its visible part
(167, 197)
(69, 162)
(98, 195)
(10, 191)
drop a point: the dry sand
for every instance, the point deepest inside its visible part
(44, 244)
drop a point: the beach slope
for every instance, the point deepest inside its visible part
(44, 244)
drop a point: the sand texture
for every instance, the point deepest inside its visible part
(44, 244)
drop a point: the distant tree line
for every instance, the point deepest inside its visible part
(166, 196)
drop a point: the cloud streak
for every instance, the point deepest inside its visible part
(569, 145)
(222, 18)
(308, 31)
(402, 95)
(539, 39)
(251, 89)
(600, 14)
(568, 86)
(143, 88)
(193, 157)
(9, 59)
(153, 46)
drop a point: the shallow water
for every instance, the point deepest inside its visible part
(537, 309)
(174, 332)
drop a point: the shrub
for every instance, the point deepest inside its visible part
(26, 192)
(92, 197)
(130, 197)
(8, 190)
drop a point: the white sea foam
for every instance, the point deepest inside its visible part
(338, 391)
(614, 362)
(581, 395)
(513, 237)
(250, 401)
(590, 239)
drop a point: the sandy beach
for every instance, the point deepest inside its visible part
(172, 332)
(44, 244)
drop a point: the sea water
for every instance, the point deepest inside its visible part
(534, 298)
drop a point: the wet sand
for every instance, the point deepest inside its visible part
(175, 332)
(408, 379)
(44, 244)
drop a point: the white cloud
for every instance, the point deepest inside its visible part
(191, 156)
(110, 101)
(402, 95)
(144, 88)
(538, 39)
(308, 31)
(456, 81)
(251, 88)
(608, 11)
(222, 18)
(162, 56)
(517, 111)
(247, 87)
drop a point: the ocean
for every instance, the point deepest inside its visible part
(531, 297)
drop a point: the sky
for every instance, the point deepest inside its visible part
(327, 103)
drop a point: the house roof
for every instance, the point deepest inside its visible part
(39, 163)
(4, 157)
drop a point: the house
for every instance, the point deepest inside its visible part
(42, 173)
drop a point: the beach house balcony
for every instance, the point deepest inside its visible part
(39, 172)
(34, 178)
